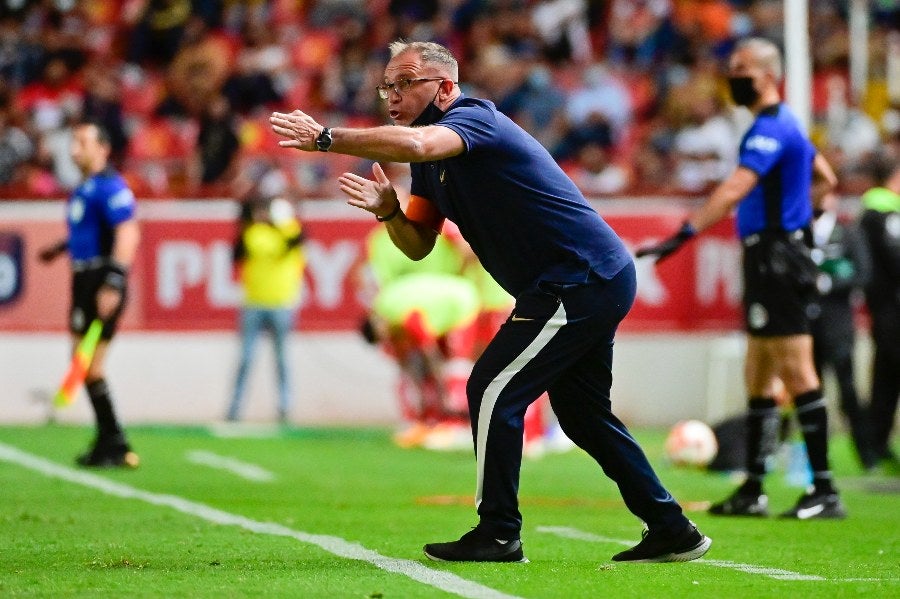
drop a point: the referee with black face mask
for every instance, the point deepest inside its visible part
(778, 172)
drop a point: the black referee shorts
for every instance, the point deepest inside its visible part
(780, 296)
(85, 284)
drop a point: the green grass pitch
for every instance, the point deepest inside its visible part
(345, 514)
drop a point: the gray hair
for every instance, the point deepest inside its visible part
(430, 53)
(767, 55)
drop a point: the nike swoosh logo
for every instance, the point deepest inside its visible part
(809, 512)
(520, 319)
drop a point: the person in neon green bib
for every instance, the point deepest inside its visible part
(427, 322)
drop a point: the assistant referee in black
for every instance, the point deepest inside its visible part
(778, 173)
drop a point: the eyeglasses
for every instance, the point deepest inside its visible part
(402, 85)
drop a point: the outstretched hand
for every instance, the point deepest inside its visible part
(300, 129)
(667, 247)
(52, 252)
(377, 197)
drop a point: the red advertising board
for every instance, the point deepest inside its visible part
(184, 279)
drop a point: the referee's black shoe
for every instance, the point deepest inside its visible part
(477, 546)
(656, 547)
(741, 503)
(109, 452)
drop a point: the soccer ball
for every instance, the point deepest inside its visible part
(691, 443)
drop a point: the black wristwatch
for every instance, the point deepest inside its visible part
(323, 142)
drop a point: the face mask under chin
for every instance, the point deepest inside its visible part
(742, 91)
(430, 115)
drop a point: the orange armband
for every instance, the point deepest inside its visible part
(423, 211)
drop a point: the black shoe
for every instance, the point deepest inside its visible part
(817, 505)
(742, 504)
(657, 547)
(109, 453)
(477, 546)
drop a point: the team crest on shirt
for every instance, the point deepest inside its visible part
(122, 199)
(76, 209)
(762, 143)
(757, 316)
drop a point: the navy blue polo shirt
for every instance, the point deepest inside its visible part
(524, 218)
(777, 150)
(94, 209)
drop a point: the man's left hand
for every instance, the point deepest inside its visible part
(378, 196)
(300, 129)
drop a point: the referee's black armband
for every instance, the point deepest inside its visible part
(115, 275)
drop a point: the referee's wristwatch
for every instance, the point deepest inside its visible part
(323, 142)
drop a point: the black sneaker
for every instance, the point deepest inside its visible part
(657, 547)
(742, 504)
(477, 546)
(817, 505)
(115, 453)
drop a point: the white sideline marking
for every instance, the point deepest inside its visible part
(444, 581)
(776, 573)
(580, 535)
(235, 466)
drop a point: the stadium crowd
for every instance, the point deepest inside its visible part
(628, 95)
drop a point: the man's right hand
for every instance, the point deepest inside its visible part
(300, 129)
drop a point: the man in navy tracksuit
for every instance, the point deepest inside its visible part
(778, 174)
(572, 278)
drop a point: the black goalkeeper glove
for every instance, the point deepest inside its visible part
(667, 247)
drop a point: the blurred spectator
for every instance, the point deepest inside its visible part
(198, 71)
(350, 77)
(704, 148)
(601, 96)
(54, 152)
(158, 29)
(537, 106)
(103, 104)
(853, 137)
(652, 160)
(593, 172)
(710, 21)
(593, 131)
(15, 146)
(639, 31)
(845, 267)
(880, 225)
(259, 77)
(217, 143)
(563, 28)
(48, 101)
(20, 52)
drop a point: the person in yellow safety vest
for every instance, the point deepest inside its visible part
(269, 253)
